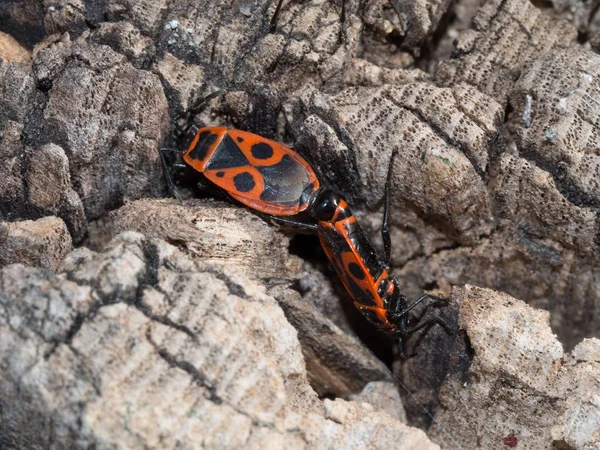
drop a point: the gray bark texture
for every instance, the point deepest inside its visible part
(129, 320)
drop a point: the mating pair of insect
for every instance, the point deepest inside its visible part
(274, 180)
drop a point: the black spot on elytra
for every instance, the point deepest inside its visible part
(244, 182)
(262, 151)
(220, 174)
(240, 139)
(200, 150)
(356, 271)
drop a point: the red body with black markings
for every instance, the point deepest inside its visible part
(271, 178)
(258, 172)
(376, 294)
(366, 279)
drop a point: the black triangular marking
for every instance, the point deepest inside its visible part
(227, 155)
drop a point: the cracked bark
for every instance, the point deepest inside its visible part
(109, 358)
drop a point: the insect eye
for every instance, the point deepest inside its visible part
(325, 206)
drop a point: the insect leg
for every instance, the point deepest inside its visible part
(275, 18)
(398, 316)
(399, 313)
(402, 334)
(343, 37)
(199, 105)
(167, 171)
(416, 302)
(189, 114)
(434, 320)
(385, 231)
(304, 225)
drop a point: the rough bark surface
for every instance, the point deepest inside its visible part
(504, 35)
(213, 231)
(177, 351)
(40, 243)
(583, 14)
(521, 386)
(212, 323)
(337, 363)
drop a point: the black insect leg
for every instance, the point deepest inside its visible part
(192, 130)
(400, 319)
(343, 37)
(385, 231)
(433, 321)
(427, 324)
(275, 18)
(402, 353)
(201, 103)
(303, 225)
(398, 304)
(399, 310)
(167, 169)
(189, 114)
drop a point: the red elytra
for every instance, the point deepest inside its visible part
(258, 172)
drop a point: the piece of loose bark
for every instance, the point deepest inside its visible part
(213, 232)
(40, 243)
(338, 364)
(520, 383)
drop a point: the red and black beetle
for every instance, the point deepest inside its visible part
(273, 179)
(260, 173)
(367, 279)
